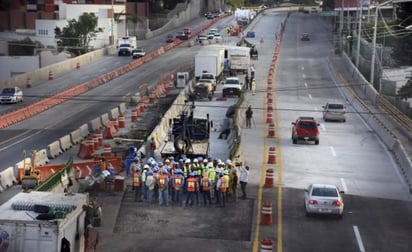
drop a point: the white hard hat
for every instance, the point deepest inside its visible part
(228, 161)
(195, 160)
(187, 161)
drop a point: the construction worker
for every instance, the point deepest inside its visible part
(186, 170)
(244, 174)
(249, 117)
(137, 185)
(178, 182)
(253, 86)
(198, 181)
(206, 183)
(192, 187)
(233, 183)
(150, 183)
(212, 176)
(164, 188)
(144, 176)
(221, 185)
(227, 180)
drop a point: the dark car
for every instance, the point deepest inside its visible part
(250, 34)
(182, 36)
(305, 37)
(305, 128)
(170, 38)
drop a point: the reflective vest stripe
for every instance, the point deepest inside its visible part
(191, 185)
(162, 181)
(205, 184)
(223, 184)
(136, 179)
(178, 183)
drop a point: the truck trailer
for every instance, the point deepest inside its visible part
(44, 221)
(211, 60)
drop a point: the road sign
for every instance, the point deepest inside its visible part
(329, 13)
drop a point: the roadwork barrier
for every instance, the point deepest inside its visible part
(105, 118)
(266, 245)
(41, 157)
(7, 178)
(65, 143)
(84, 129)
(266, 214)
(95, 124)
(76, 136)
(114, 113)
(270, 178)
(54, 149)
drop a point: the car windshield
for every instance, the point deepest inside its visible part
(8, 91)
(335, 106)
(232, 81)
(324, 192)
(307, 125)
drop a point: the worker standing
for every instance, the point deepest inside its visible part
(206, 189)
(247, 81)
(233, 182)
(178, 182)
(222, 187)
(150, 185)
(244, 174)
(137, 185)
(164, 188)
(253, 86)
(249, 116)
(191, 188)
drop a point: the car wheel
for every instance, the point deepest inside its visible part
(316, 142)
(344, 120)
(295, 141)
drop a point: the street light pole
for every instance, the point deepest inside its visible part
(375, 28)
(359, 34)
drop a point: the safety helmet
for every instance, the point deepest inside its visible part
(160, 164)
(234, 171)
(205, 161)
(228, 161)
(146, 166)
(167, 161)
(181, 160)
(136, 159)
(187, 161)
(195, 160)
(200, 159)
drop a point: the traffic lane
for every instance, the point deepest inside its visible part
(68, 116)
(374, 224)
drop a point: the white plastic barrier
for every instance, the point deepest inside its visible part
(54, 149)
(7, 178)
(114, 113)
(122, 108)
(84, 129)
(76, 136)
(1, 187)
(41, 157)
(65, 143)
(95, 124)
(105, 118)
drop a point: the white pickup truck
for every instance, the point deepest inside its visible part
(138, 53)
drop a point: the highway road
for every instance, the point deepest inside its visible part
(377, 202)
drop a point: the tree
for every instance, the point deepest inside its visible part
(402, 50)
(405, 91)
(77, 35)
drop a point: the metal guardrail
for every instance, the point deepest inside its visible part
(400, 117)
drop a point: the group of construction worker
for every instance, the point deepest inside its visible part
(187, 181)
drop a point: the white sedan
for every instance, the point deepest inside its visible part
(11, 95)
(323, 199)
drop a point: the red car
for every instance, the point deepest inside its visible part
(305, 128)
(187, 31)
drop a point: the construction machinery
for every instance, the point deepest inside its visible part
(31, 176)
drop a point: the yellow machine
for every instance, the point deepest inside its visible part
(31, 176)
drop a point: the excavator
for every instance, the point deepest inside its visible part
(31, 176)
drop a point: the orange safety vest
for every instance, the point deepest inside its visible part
(223, 185)
(191, 184)
(136, 179)
(162, 181)
(205, 184)
(178, 183)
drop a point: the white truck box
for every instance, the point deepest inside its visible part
(21, 231)
(126, 45)
(210, 60)
(239, 58)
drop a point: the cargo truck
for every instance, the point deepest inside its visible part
(44, 221)
(239, 58)
(126, 45)
(210, 60)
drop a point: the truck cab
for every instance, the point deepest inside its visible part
(126, 45)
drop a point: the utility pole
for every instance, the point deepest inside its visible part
(375, 28)
(359, 34)
(341, 26)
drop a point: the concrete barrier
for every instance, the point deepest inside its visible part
(65, 143)
(54, 149)
(41, 158)
(105, 118)
(1, 187)
(114, 113)
(7, 178)
(84, 131)
(95, 124)
(76, 136)
(122, 108)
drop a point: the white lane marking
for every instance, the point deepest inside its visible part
(358, 239)
(322, 126)
(303, 76)
(306, 84)
(303, 68)
(344, 186)
(333, 151)
(310, 96)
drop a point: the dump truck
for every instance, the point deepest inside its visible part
(45, 221)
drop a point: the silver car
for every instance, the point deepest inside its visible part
(323, 199)
(11, 95)
(334, 112)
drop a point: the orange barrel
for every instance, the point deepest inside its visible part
(269, 118)
(28, 84)
(51, 75)
(266, 245)
(266, 214)
(122, 122)
(116, 124)
(134, 115)
(271, 130)
(272, 155)
(107, 150)
(270, 178)
(270, 105)
(99, 135)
